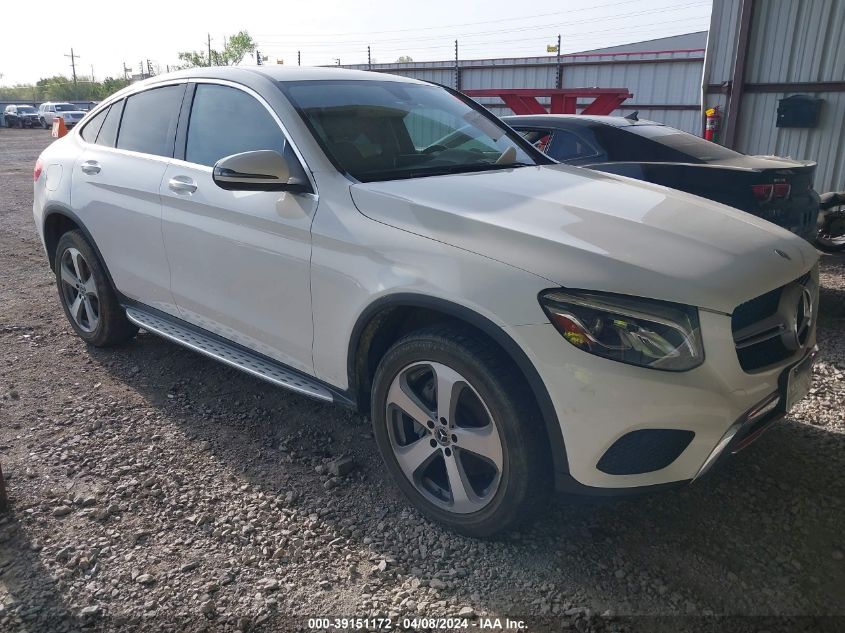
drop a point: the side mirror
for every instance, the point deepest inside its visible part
(261, 170)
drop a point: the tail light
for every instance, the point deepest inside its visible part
(767, 193)
(36, 173)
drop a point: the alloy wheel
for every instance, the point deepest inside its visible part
(444, 438)
(79, 291)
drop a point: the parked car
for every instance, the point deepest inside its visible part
(20, 116)
(509, 324)
(67, 111)
(776, 189)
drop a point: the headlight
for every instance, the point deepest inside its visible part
(644, 332)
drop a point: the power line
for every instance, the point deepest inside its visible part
(510, 19)
(464, 37)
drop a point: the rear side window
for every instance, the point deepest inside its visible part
(538, 137)
(226, 121)
(108, 132)
(149, 121)
(92, 128)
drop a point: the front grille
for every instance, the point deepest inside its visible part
(757, 330)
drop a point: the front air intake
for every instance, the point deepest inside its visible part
(644, 451)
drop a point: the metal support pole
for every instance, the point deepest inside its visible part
(299, 58)
(732, 120)
(369, 59)
(559, 75)
(209, 49)
(457, 69)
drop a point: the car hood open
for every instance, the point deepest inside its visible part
(584, 229)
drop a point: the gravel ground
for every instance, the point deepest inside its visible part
(153, 489)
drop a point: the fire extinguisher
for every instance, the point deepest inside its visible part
(711, 124)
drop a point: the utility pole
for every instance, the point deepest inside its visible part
(92, 74)
(126, 71)
(337, 60)
(149, 68)
(559, 79)
(73, 66)
(369, 59)
(209, 49)
(299, 58)
(258, 57)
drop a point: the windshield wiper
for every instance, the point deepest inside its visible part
(444, 170)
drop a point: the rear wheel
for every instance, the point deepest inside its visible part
(459, 434)
(87, 297)
(831, 234)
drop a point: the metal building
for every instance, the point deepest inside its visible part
(664, 76)
(760, 52)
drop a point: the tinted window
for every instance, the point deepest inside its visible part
(149, 121)
(89, 132)
(226, 121)
(65, 107)
(108, 133)
(26, 109)
(568, 146)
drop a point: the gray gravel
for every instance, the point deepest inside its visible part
(153, 489)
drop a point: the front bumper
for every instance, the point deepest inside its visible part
(601, 403)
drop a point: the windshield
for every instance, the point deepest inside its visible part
(385, 130)
(26, 109)
(683, 142)
(65, 107)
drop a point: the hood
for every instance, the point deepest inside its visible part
(584, 229)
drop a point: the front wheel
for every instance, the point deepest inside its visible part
(459, 431)
(87, 297)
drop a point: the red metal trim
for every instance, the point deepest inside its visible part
(548, 92)
(563, 100)
(604, 104)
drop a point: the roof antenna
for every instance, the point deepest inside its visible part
(632, 116)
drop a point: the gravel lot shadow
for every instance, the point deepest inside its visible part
(21, 571)
(760, 536)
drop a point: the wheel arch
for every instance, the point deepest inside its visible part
(390, 317)
(58, 220)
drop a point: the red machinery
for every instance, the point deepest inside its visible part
(563, 100)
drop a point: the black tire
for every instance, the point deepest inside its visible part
(526, 474)
(112, 327)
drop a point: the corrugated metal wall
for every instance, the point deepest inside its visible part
(790, 42)
(667, 82)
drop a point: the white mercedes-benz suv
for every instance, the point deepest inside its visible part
(511, 325)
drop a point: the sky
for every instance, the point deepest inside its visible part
(107, 35)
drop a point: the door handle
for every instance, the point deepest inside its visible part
(90, 167)
(182, 184)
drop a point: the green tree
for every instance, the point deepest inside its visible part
(236, 48)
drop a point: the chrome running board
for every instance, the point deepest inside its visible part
(234, 356)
